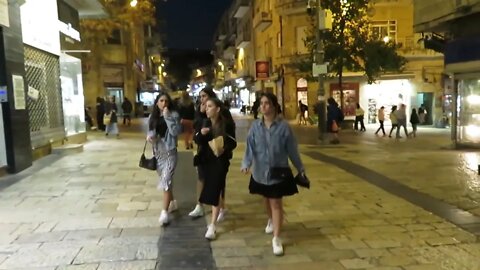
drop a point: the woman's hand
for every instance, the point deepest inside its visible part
(165, 112)
(150, 139)
(245, 170)
(205, 131)
(203, 108)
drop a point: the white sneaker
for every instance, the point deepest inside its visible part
(197, 212)
(210, 234)
(172, 207)
(221, 215)
(277, 246)
(163, 219)
(269, 228)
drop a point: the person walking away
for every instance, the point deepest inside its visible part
(163, 129)
(127, 109)
(334, 119)
(255, 106)
(359, 116)
(393, 119)
(215, 158)
(187, 115)
(381, 119)
(111, 113)
(414, 120)
(401, 115)
(302, 108)
(100, 108)
(270, 143)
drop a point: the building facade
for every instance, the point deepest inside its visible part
(451, 27)
(280, 28)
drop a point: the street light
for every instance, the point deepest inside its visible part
(133, 3)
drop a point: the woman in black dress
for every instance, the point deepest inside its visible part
(215, 165)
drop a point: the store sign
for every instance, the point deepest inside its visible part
(4, 20)
(262, 70)
(68, 30)
(40, 25)
(19, 92)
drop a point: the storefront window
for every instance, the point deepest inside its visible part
(72, 94)
(468, 122)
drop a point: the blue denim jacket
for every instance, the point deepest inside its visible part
(267, 148)
(173, 124)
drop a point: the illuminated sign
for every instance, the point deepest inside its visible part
(40, 29)
(68, 30)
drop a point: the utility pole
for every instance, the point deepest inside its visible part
(320, 18)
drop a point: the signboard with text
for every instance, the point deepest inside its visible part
(262, 70)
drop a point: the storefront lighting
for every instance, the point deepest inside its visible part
(160, 71)
(162, 64)
(386, 39)
(473, 99)
(472, 132)
(133, 3)
(199, 73)
(164, 74)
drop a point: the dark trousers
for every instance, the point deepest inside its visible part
(381, 128)
(359, 119)
(126, 116)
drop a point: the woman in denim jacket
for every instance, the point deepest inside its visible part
(270, 143)
(163, 129)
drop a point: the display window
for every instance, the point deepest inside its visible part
(72, 94)
(468, 109)
(350, 97)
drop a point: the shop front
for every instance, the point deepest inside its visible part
(40, 33)
(350, 97)
(386, 93)
(71, 80)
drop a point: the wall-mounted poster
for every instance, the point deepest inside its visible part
(19, 92)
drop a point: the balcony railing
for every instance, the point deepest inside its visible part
(410, 47)
(241, 8)
(243, 40)
(291, 7)
(262, 20)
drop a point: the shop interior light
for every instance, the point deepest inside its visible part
(386, 39)
(133, 3)
(164, 74)
(472, 132)
(473, 99)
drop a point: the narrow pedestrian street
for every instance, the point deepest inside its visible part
(375, 203)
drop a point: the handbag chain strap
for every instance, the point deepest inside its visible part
(145, 146)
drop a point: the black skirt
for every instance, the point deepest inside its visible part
(276, 191)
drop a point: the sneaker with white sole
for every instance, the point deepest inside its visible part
(221, 215)
(197, 212)
(210, 234)
(277, 246)
(172, 207)
(163, 219)
(269, 227)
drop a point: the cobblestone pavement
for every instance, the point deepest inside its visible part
(98, 210)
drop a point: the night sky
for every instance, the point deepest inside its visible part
(190, 24)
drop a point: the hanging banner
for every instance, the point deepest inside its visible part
(262, 70)
(4, 20)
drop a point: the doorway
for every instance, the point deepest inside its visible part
(118, 94)
(427, 100)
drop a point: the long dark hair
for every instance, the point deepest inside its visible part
(274, 101)
(209, 92)
(156, 113)
(218, 129)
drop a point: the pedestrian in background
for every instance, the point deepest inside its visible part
(100, 108)
(127, 109)
(381, 119)
(334, 119)
(270, 143)
(414, 120)
(217, 141)
(393, 119)
(110, 117)
(186, 110)
(359, 116)
(401, 115)
(163, 129)
(422, 112)
(302, 109)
